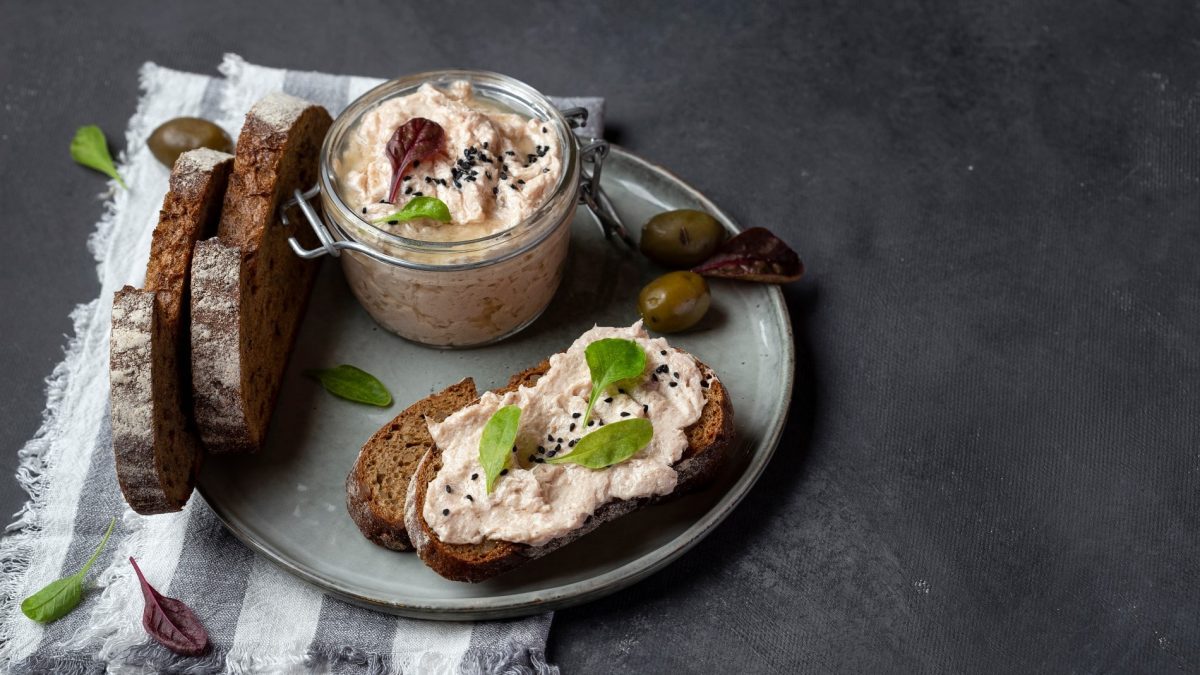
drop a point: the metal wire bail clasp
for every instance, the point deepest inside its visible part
(592, 195)
(328, 244)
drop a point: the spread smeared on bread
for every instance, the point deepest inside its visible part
(537, 501)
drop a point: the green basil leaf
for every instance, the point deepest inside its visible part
(610, 444)
(91, 150)
(54, 601)
(611, 360)
(352, 384)
(421, 207)
(58, 598)
(496, 443)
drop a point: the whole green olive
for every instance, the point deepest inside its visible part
(674, 302)
(682, 238)
(175, 137)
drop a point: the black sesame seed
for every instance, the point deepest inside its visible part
(663, 352)
(601, 422)
(513, 186)
(445, 512)
(495, 191)
(572, 443)
(514, 448)
(503, 175)
(393, 222)
(474, 476)
(654, 377)
(543, 130)
(552, 453)
(418, 194)
(620, 391)
(550, 437)
(428, 179)
(559, 441)
(624, 414)
(408, 190)
(449, 490)
(674, 383)
(608, 400)
(676, 375)
(410, 178)
(539, 460)
(576, 415)
(442, 182)
(547, 170)
(591, 422)
(503, 472)
(510, 153)
(520, 181)
(572, 427)
(485, 145)
(704, 384)
(487, 175)
(470, 498)
(541, 448)
(662, 369)
(645, 409)
(416, 163)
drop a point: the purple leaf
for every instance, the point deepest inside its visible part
(413, 141)
(170, 621)
(754, 255)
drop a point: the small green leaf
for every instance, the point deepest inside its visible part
(91, 150)
(610, 444)
(496, 443)
(352, 384)
(58, 598)
(420, 207)
(611, 360)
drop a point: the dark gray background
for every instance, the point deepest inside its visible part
(992, 460)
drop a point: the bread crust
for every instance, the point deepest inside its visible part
(241, 347)
(371, 509)
(155, 447)
(708, 440)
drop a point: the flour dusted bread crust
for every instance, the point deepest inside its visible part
(156, 450)
(249, 290)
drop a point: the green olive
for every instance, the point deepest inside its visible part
(682, 238)
(674, 302)
(175, 137)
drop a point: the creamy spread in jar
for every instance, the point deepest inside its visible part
(537, 502)
(509, 176)
(494, 170)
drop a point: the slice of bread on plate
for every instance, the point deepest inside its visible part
(388, 458)
(249, 290)
(378, 484)
(155, 447)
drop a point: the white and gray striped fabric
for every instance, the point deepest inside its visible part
(259, 618)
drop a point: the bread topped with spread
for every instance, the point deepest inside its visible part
(249, 290)
(155, 446)
(469, 525)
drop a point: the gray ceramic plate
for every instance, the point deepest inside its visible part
(288, 502)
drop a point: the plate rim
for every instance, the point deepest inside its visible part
(593, 587)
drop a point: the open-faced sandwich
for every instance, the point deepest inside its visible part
(479, 485)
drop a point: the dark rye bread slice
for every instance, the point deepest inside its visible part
(249, 290)
(378, 483)
(708, 439)
(155, 447)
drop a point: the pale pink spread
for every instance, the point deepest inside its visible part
(537, 502)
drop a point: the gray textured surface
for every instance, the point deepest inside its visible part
(991, 464)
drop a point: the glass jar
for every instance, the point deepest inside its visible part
(452, 293)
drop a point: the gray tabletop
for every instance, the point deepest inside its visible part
(991, 459)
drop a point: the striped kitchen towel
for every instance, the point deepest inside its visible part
(259, 618)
